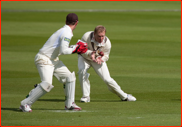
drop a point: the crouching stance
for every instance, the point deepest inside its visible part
(99, 47)
(48, 64)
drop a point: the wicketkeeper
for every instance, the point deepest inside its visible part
(48, 64)
(99, 47)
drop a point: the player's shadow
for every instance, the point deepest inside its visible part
(11, 109)
(18, 110)
(48, 100)
(52, 100)
(62, 100)
(105, 100)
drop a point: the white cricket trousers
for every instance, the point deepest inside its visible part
(47, 68)
(102, 71)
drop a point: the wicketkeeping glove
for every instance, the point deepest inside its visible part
(81, 47)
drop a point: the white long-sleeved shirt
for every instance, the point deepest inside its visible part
(104, 46)
(58, 43)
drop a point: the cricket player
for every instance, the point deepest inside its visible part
(48, 64)
(99, 47)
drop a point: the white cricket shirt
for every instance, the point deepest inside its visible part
(105, 46)
(58, 43)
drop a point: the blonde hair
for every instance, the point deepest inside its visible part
(99, 29)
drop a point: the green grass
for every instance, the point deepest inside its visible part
(145, 61)
(59, 5)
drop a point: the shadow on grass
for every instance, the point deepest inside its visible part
(53, 100)
(106, 101)
(176, 99)
(62, 100)
(18, 110)
(11, 109)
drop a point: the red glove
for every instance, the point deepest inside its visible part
(81, 47)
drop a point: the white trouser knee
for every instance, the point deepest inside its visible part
(70, 90)
(46, 86)
(84, 83)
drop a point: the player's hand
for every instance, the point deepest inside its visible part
(93, 56)
(99, 60)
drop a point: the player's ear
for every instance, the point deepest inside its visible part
(94, 34)
(76, 23)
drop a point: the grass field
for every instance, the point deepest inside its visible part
(145, 61)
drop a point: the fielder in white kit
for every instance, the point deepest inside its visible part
(99, 47)
(48, 64)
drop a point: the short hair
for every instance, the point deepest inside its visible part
(71, 19)
(99, 29)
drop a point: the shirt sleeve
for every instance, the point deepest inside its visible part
(64, 45)
(106, 50)
(86, 55)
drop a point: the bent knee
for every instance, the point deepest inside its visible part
(71, 77)
(81, 71)
(46, 86)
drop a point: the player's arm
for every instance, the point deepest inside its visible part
(106, 50)
(102, 55)
(105, 57)
(87, 55)
(79, 47)
(64, 45)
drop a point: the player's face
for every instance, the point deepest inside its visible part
(99, 36)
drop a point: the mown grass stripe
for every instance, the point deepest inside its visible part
(95, 10)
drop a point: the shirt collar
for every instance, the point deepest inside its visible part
(97, 43)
